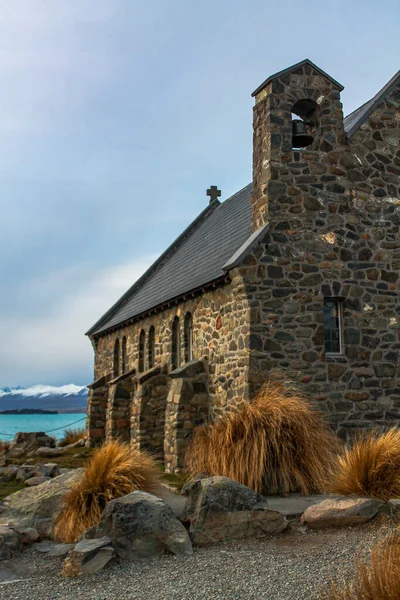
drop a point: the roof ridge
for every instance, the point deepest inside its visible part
(156, 264)
(374, 101)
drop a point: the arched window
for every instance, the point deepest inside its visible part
(123, 353)
(176, 344)
(142, 340)
(116, 358)
(151, 347)
(304, 123)
(188, 332)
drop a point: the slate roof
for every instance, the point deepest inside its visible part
(196, 258)
(353, 121)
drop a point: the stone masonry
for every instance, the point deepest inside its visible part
(326, 221)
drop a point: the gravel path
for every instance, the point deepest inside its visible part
(292, 566)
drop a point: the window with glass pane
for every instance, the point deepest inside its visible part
(332, 326)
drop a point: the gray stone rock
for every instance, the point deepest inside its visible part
(340, 511)
(38, 506)
(8, 473)
(47, 470)
(25, 472)
(88, 557)
(220, 509)
(27, 441)
(37, 480)
(28, 535)
(140, 525)
(49, 452)
(10, 542)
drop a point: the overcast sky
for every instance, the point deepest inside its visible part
(115, 116)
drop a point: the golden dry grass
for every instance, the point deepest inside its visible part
(378, 580)
(115, 469)
(276, 444)
(370, 466)
(70, 436)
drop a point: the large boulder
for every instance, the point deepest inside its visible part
(46, 452)
(25, 472)
(219, 509)
(8, 473)
(38, 506)
(37, 480)
(141, 525)
(340, 511)
(28, 441)
(47, 470)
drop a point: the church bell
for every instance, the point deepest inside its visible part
(300, 137)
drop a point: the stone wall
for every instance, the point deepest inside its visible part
(334, 214)
(221, 334)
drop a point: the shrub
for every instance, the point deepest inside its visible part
(276, 444)
(70, 436)
(115, 469)
(370, 466)
(380, 580)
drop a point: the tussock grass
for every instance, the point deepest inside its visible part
(70, 436)
(115, 469)
(278, 443)
(378, 580)
(370, 466)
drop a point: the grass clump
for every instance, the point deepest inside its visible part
(378, 580)
(71, 436)
(278, 443)
(115, 469)
(370, 466)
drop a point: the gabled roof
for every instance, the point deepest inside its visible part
(353, 121)
(196, 258)
(302, 63)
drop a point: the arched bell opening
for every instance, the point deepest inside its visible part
(304, 123)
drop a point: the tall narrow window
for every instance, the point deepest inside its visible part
(142, 339)
(123, 355)
(151, 347)
(333, 326)
(188, 329)
(176, 344)
(116, 358)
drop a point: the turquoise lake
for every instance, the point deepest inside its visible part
(12, 424)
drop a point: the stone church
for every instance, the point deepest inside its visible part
(297, 275)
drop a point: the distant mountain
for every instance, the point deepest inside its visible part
(65, 399)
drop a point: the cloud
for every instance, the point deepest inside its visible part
(49, 348)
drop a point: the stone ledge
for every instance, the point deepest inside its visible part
(189, 370)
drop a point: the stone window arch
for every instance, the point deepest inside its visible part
(188, 336)
(151, 347)
(123, 355)
(116, 358)
(175, 344)
(142, 341)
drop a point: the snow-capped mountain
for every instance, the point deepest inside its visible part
(65, 398)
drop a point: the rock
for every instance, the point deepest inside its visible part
(25, 472)
(10, 542)
(27, 441)
(391, 509)
(188, 486)
(220, 509)
(8, 473)
(88, 557)
(38, 506)
(37, 480)
(49, 452)
(47, 470)
(140, 525)
(339, 511)
(29, 535)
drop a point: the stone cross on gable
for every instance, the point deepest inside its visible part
(213, 192)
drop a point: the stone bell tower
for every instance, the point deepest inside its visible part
(298, 136)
